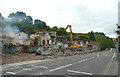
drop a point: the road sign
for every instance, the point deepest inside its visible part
(117, 39)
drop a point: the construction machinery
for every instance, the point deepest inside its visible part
(35, 40)
(73, 46)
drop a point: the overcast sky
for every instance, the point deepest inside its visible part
(83, 15)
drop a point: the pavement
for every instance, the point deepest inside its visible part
(98, 63)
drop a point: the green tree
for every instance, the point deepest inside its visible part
(29, 29)
(61, 31)
(84, 37)
(39, 24)
(91, 36)
(105, 42)
(20, 17)
(48, 28)
(55, 28)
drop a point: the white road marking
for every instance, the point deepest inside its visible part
(39, 66)
(40, 73)
(113, 57)
(11, 73)
(14, 67)
(42, 66)
(75, 63)
(84, 60)
(79, 72)
(80, 61)
(91, 57)
(27, 69)
(60, 67)
(98, 55)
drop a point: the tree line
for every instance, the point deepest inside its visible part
(26, 24)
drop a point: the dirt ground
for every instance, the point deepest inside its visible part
(19, 57)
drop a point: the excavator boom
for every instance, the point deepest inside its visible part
(69, 26)
(72, 45)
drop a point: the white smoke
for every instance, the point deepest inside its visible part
(15, 34)
(11, 31)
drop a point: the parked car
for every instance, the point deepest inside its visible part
(39, 50)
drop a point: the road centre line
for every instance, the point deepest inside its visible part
(79, 72)
(39, 66)
(75, 63)
(13, 73)
(60, 67)
(14, 67)
(91, 57)
(82, 60)
(27, 69)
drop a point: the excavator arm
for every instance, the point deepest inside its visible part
(69, 26)
(72, 45)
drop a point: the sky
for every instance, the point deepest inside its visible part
(83, 15)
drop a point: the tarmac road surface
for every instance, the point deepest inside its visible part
(98, 63)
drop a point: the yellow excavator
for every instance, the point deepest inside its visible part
(73, 46)
(35, 40)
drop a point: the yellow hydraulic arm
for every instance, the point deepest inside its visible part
(72, 46)
(69, 26)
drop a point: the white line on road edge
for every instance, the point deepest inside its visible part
(60, 67)
(27, 69)
(11, 73)
(79, 72)
(113, 57)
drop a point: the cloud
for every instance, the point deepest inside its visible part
(83, 15)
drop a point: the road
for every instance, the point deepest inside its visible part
(97, 63)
